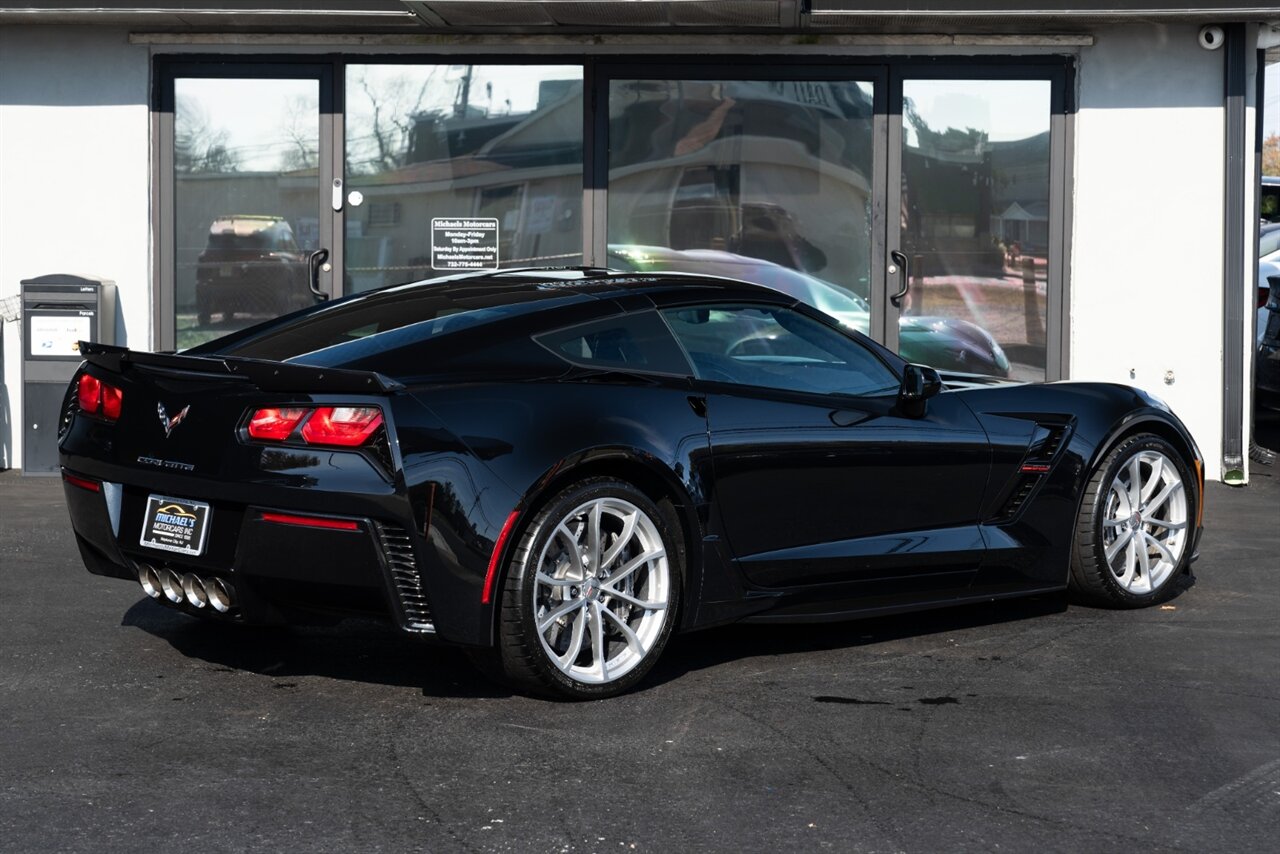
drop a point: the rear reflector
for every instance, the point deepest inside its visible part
(275, 424)
(83, 483)
(311, 521)
(345, 426)
(496, 557)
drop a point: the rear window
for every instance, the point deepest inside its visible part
(632, 342)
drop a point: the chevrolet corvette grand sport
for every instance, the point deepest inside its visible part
(559, 468)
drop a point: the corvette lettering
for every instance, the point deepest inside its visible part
(166, 464)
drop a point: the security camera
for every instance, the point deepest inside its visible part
(1212, 37)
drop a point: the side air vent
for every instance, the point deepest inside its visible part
(1026, 485)
(402, 565)
(1052, 442)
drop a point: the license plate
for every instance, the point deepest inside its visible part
(175, 525)
(225, 271)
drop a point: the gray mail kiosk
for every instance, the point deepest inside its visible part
(58, 312)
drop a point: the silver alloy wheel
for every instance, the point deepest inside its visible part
(601, 589)
(1144, 522)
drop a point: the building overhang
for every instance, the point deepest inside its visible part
(625, 16)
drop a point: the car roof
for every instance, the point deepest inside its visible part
(543, 298)
(516, 285)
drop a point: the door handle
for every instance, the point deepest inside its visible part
(900, 259)
(314, 261)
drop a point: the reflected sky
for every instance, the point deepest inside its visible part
(1005, 109)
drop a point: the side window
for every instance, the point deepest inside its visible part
(776, 347)
(634, 342)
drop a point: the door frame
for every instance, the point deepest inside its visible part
(164, 183)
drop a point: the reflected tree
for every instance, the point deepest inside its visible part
(301, 134)
(393, 105)
(199, 146)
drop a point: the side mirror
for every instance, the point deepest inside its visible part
(919, 383)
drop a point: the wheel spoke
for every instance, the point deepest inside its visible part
(575, 642)
(1129, 558)
(575, 558)
(1144, 561)
(593, 536)
(631, 600)
(1123, 507)
(567, 607)
(1161, 547)
(597, 641)
(1135, 481)
(1153, 480)
(1154, 504)
(548, 580)
(1171, 526)
(632, 640)
(628, 529)
(1114, 548)
(1114, 523)
(634, 564)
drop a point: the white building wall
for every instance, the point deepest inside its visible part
(74, 179)
(1148, 235)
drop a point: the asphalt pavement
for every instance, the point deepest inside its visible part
(1018, 726)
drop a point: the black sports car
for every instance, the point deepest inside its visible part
(557, 469)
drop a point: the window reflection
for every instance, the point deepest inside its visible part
(975, 222)
(768, 181)
(459, 141)
(245, 201)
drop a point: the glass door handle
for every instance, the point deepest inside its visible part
(314, 261)
(899, 259)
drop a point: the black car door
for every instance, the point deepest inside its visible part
(819, 480)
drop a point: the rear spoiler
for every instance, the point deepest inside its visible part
(264, 374)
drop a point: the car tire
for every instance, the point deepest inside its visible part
(204, 314)
(585, 616)
(1128, 556)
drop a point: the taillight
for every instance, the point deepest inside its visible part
(339, 426)
(112, 398)
(96, 397)
(275, 425)
(345, 426)
(90, 393)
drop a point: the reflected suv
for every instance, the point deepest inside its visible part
(252, 265)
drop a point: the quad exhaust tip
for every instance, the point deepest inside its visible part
(150, 580)
(193, 589)
(220, 594)
(190, 588)
(171, 584)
